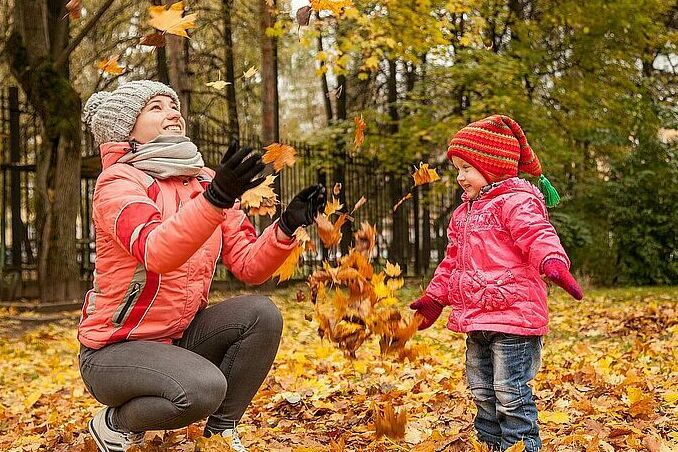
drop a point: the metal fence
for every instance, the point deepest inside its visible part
(424, 217)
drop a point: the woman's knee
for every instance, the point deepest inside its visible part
(204, 396)
(268, 314)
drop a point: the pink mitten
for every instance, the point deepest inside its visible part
(428, 309)
(557, 271)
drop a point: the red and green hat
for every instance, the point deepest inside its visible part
(497, 147)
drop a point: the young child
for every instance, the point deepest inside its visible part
(500, 243)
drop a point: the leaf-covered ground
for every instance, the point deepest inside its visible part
(609, 381)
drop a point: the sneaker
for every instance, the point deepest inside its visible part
(109, 440)
(236, 445)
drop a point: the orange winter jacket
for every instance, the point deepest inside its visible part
(157, 242)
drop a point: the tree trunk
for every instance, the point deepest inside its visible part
(270, 128)
(232, 121)
(398, 247)
(161, 57)
(340, 163)
(38, 51)
(327, 102)
(178, 71)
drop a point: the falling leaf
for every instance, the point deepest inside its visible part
(424, 175)
(304, 15)
(335, 6)
(251, 72)
(111, 66)
(260, 199)
(153, 40)
(74, 8)
(359, 136)
(332, 206)
(281, 155)
(359, 204)
(336, 189)
(218, 84)
(404, 198)
(392, 270)
(330, 233)
(171, 20)
(287, 269)
(365, 238)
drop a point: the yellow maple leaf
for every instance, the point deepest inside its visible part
(218, 84)
(251, 72)
(111, 66)
(280, 155)
(171, 20)
(517, 447)
(332, 206)
(424, 175)
(555, 417)
(261, 197)
(392, 270)
(335, 6)
(359, 136)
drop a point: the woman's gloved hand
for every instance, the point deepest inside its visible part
(303, 208)
(557, 271)
(428, 310)
(236, 174)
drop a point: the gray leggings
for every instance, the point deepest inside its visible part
(156, 386)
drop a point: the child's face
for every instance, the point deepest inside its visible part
(469, 178)
(160, 116)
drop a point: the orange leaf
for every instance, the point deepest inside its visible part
(261, 199)
(404, 198)
(365, 238)
(336, 189)
(171, 20)
(390, 422)
(332, 206)
(287, 269)
(424, 175)
(280, 155)
(153, 40)
(111, 66)
(74, 8)
(517, 447)
(359, 132)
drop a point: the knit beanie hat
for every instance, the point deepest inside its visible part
(111, 115)
(497, 147)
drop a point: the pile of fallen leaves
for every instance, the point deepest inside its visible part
(608, 382)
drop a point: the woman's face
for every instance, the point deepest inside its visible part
(160, 116)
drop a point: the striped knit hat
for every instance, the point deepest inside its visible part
(497, 147)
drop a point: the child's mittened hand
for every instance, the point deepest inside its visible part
(427, 309)
(557, 271)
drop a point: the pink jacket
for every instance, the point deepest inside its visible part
(157, 242)
(491, 272)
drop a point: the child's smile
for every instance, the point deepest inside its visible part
(469, 178)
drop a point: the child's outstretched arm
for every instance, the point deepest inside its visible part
(430, 305)
(529, 226)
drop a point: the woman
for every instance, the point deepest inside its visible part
(151, 349)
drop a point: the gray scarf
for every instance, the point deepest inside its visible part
(166, 156)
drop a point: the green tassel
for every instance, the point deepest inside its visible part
(551, 196)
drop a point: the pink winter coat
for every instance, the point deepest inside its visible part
(157, 242)
(491, 272)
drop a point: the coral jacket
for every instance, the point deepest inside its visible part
(157, 242)
(491, 274)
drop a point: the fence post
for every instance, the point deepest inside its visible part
(15, 177)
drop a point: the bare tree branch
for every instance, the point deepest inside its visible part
(63, 57)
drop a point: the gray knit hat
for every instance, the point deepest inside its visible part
(111, 115)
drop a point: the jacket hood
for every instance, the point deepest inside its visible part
(112, 151)
(512, 185)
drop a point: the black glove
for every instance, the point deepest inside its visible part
(303, 209)
(234, 176)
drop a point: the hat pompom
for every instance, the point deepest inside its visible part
(92, 105)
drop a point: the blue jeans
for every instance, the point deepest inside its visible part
(499, 367)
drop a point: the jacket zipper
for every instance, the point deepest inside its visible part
(463, 261)
(135, 290)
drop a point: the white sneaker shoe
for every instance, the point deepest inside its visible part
(109, 440)
(236, 445)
